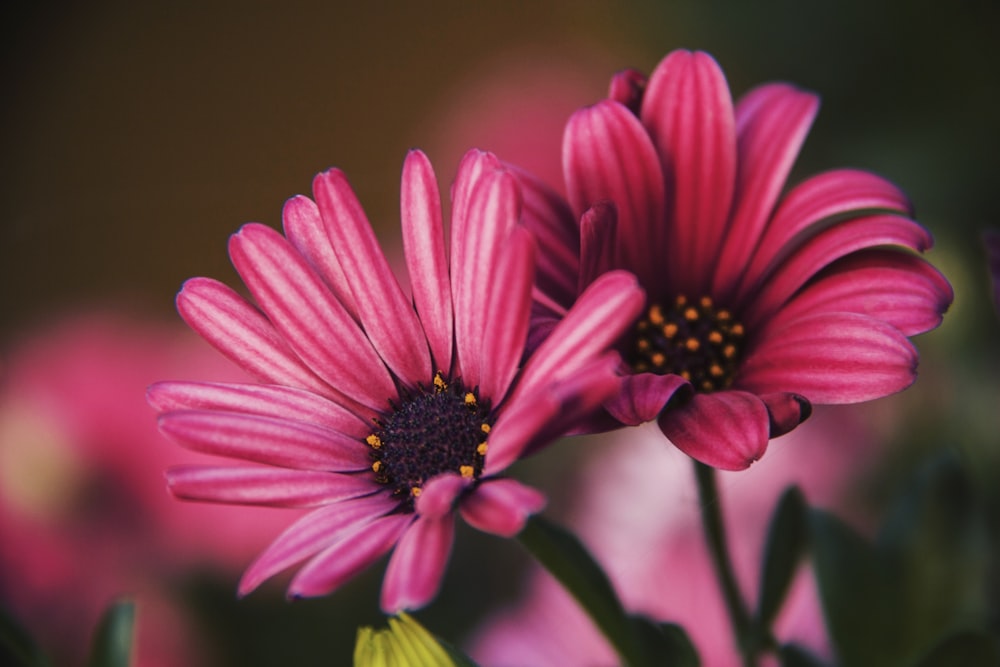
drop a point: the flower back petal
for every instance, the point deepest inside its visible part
(501, 506)
(726, 429)
(416, 566)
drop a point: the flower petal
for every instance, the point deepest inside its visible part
(275, 487)
(438, 496)
(771, 124)
(607, 155)
(786, 411)
(310, 534)
(424, 246)
(277, 442)
(386, 314)
(643, 396)
(350, 555)
(833, 194)
(688, 111)
(598, 242)
(241, 332)
(831, 358)
(725, 429)
(262, 400)
(417, 564)
(501, 506)
(627, 88)
(309, 317)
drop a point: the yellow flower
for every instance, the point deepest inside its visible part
(405, 643)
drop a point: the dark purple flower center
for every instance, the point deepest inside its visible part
(441, 428)
(690, 338)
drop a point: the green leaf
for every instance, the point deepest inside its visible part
(964, 649)
(786, 544)
(795, 656)
(667, 641)
(565, 557)
(17, 648)
(858, 591)
(112, 645)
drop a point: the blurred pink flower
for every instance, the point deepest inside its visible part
(640, 519)
(758, 305)
(83, 515)
(380, 412)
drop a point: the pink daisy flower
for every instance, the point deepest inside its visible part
(758, 304)
(382, 412)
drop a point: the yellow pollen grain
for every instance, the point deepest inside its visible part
(415, 491)
(706, 302)
(656, 315)
(692, 344)
(670, 330)
(374, 441)
(714, 337)
(377, 466)
(729, 351)
(658, 359)
(485, 428)
(467, 471)
(439, 383)
(715, 370)
(691, 314)
(482, 449)
(736, 329)
(470, 399)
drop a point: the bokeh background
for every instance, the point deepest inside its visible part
(137, 136)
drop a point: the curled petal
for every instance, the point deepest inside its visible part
(501, 506)
(726, 429)
(786, 411)
(627, 88)
(643, 396)
(265, 486)
(417, 564)
(439, 494)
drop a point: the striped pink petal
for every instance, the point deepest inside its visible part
(771, 124)
(243, 334)
(607, 155)
(501, 506)
(831, 358)
(276, 487)
(309, 317)
(688, 111)
(417, 564)
(726, 429)
(277, 442)
(424, 246)
(311, 534)
(643, 396)
(386, 314)
(358, 549)
(598, 242)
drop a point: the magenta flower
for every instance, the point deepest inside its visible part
(758, 304)
(381, 412)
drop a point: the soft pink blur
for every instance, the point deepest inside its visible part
(637, 511)
(84, 512)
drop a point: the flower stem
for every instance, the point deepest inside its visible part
(565, 557)
(715, 535)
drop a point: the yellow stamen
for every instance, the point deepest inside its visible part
(374, 441)
(485, 428)
(470, 399)
(670, 330)
(706, 302)
(415, 491)
(690, 314)
(658, 359)
(680, 300)
(642, 344)
(686, 375)
(723, 315)
(714, 337)
(737, 329)
(692, 344)
(482, 449)
(729, 351)
(467, 471)
(656, 315)
(439, 383)
(377, 466)
(715, 370)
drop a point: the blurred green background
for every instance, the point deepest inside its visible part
(137, 136)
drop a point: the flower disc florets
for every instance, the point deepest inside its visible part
(690, 338)
(439, 429)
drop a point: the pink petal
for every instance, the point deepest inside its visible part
(312, 533)
(896, 287)
(786, 411)
(643, 396)
(244, 334)
(835, 193)
(304, 229)
(688, 111)
(386, 314)
(492, 212)
(771, 124)
(825, 247)
(501, 506)
(439, 495)
(349, 556)
(424, 245)
(262, 400)
(627, 88)
(474, 167)
(314, 323)
(600, 316)
(509, 313)
(726, 429)
(266, 486)
(547, 215)
(598, 242)
(831, 358)
(277, 442)
(607, 155)
(417, 564)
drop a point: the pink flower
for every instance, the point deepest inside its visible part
(380, 412)
(758, 304)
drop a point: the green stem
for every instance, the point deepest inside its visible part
(565, 557)
(715, 535)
